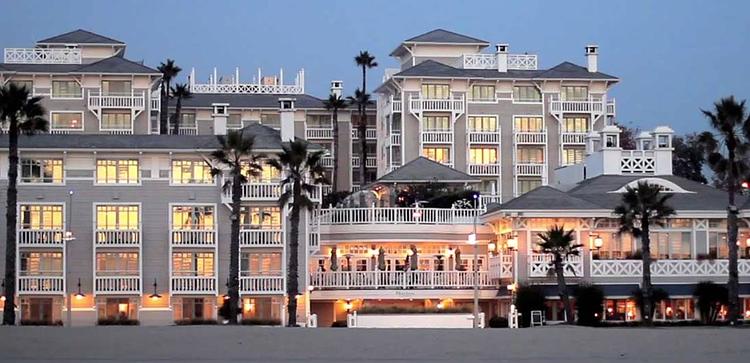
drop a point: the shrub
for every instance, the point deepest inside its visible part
(257, 321)
(339, 324)
(412, 310)
(447, 200)
(528, 299)
(498, 322)
(195, 322)
(117, 321)
(30, 322)
(657, 295)
(590, 304)
(710, 299)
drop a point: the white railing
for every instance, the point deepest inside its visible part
(396, 106)
(501, 266)
(593, 105)
(666, 268)
(41, 237)
(276, 87)
(117, 284)
(395, 215)
(155, 103)
(484, 137)
(43, 55)
(262, 285)
(370, 134)
(116, 131)
(395, 139)
(370, 162)
(437, 137)
(261, 238)
(528, 169)
(118, 237)
(327, 161)
(257, 191)
(318, 133)
(480, 61)
(419, 105)
(193, 238)
(576, 138)
(135, 100)
(484, 169)
(527, 137)
(637, 162)
(522, 61)
(485, 199)
(41, 285)
(540, 265)
(398, 279)
(183, 130)
(193, 285)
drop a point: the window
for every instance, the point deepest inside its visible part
(482, 93)
(193, 264)
(319, 121)
(436, 91)
(117, 308)
(671, 245)
(575, 124)
(117, 263)
(439, 154)
(193, 217)
(663, 141)
(717, 245)
(267, 308)
(70, 121)
(41, 263)
(574, 93)
(529, 124)
(526, 94)
(260, 217)
(530, 155)
(620, 309)
(117, 217)
(38, 216)
(117, 88)
(41, 171)
(39, 309)
(187, 120)
(117, 172)
(116, 120)
(436, 123)
(271, 120)
(482, 123)
(572, 156)
(191, 172)
(28, 84)
(193, 308)
(526, 185)
(675, 309)
(260, 264)
(268, 174)
(234, 122)
(483, 156)
(66, 89)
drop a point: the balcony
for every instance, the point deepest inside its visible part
(395, 215)
(155, 103)
(109, 285)
(256, 191)
(454, 105)
(370, 134)
(370, 162)
(573, 138)
(134, 100)
(501, 267)
(365, 280)
(396, 106)
(41, 238)
(318, 133)
(193, 238)
(485, 199)
(666, 268)
(41, 285)
(262, 237)
(437, 137)
(591, 105)
(489, 61)
(259, 285)
(530, 169)
(395, 139)
(42, 56)
(540, 264)
(117, 237)
(638, 162)
(530, 137)
(484, 169)
(327, 161)
(193, 285)
(484, 137)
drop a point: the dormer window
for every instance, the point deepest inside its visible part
(286, 104)
(663, 141)
(220, 110)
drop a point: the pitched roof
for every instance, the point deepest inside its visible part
(445, 36)
(79, 36)
(114, 64)
(565, 70)
(546, 197)
(250, 100)
(424, 170)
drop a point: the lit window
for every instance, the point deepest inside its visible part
(482, 123)
(260, 217)
(193, 217)
(191, 172)
(40, 263)
(439, 154)
(38, 216)
(66, 89)
(193, 264)
(530, 155)
(483, 156)
(482, 93)
(117, 263)
(117, 88)
(436, 123)
(529, 124)
(116, 120)
(260, 264)
(436, 91)
(117, 172)
(526, 185)
(117, 217)
(71, 121)
(572, 156)
(574, 93)
(575, 124)
(269, 174)
(41, 171)
(526, 94)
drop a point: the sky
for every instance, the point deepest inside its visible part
(674, 57)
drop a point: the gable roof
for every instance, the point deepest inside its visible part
(114, 64)
(80, 36)
(250, 100)
(546, 197)
(568, 70)
(445, 36)
(565, 70)
(424, 170)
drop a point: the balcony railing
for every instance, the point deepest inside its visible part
(484, 137)
(258, 285)
(485, 199)
(135, 100)
(183, 130)
(593, 105)
(42, 56)
(484, 169)
(312, 133)
(489, 61)
(437, 137)
(666, 268)
(118, 237)
(344, 216)
(528, 169)
(540, 265)
(574, 138)
(41, 237)
(396, 106)
(418, 105)
(526, 137)
(41, 285)
(257, 191)
(261, 237)
(395, 139)
(501, 266)
(398, 279)
(155, 103)
(370, 162)
(104, 285)
(638, 162)
(193, 238)
(193, 285)
(370, 134)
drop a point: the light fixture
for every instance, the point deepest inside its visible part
(409, 252)
(348, 306)
(598, 242)
(449, 252)
(472, 240)
(511, 243)
(226, 296)
(747, 242)
(440, 306)
(155, 295)
(310, 288)
(79, 295)
(609, 310)
(491, 246)
(511, 287)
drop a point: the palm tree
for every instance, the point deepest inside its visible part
(365, 61)
(641, 207)
(236, 154)
(168, 71)
(560, 244)
(726, 151)
(180, 91)
(303, 171)
(24, 114)
(335, 103)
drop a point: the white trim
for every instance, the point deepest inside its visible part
(53, 130)
(670, 187)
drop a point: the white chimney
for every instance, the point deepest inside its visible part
(662, 146)
(220, 115)
(337, 88)
(286, 114)
(501, 52)
(592, 58)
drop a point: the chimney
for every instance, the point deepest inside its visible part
(501, 52)
(220, 115)
(662, 146)
(592, 58)
(286, 112)
(337, 88)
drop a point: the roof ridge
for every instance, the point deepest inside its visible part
(88, 32)
(472, 39)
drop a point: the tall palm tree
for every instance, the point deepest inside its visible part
(640, 208)
(180, 91)
(334, 103)
(560, 244)
(726, 151)
(303, 171)
(168, 71)
(365, 61)
(362, 100)
(235, 153)
(23, 114)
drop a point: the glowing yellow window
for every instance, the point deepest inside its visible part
(191, 172)
(483, 156)
(117, 172)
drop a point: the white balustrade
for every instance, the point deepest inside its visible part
(398, 279)
(41, 285)
(193, 285)
(41, 237)
(370, 134)
(501, 266)
(182, 130)
(525, 137)
(117, 284)
(261, 237)
(575, 138)
(489, 61)
(522, 62)
(437, 137)
(485, 199)
(395, 215)
(318, 133)
(257, 191)
(155, 103)
(135, 100)
(540, 265)
(666, 268)
(395, 139)
(261, 285)
(116, 131)
(193, 238)
(42, 56)
(593, 105)
(234, 86)
(118, 237)
(396, 106)
(484, 137)
(638, 162)
(370, 162)
(529, 169)
(419, 105)
(484, 169)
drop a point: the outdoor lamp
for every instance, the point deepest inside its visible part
(511, 243)
(79, 295)
(348, 306)
(491, 246)
(472, 240)
(2, 298)
(155, 295)
(598, 242)
(747, 242)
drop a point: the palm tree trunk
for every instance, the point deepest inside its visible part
(336, 153)
(234, 246)
(177, 112)
(9, 312)
(646, 288)
(292, 285)
(733, 281)
(164, 114)
(562, 289)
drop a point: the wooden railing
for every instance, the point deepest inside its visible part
(261, 285)
(666, 268)
(193, 284)
(398, 279)
(261, 237)
(395, 215)
(193, 238)
(41, 285)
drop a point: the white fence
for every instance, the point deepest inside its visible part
(261, 238)
(638, 162)
(437, 137)
(262, 285)
(540, 265)
(118, 237)
(117, 285)
(525, 169)
(193, 285)
(484, 169)
(489, 61)
(575, 138)
(319, 133)
(41, 285)
(42, 56)
(193, 238)
(395, 215)
(593, 105)
(666, 268)
(41, 237)
(525, 137)
(484, 137)
(398, 279)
